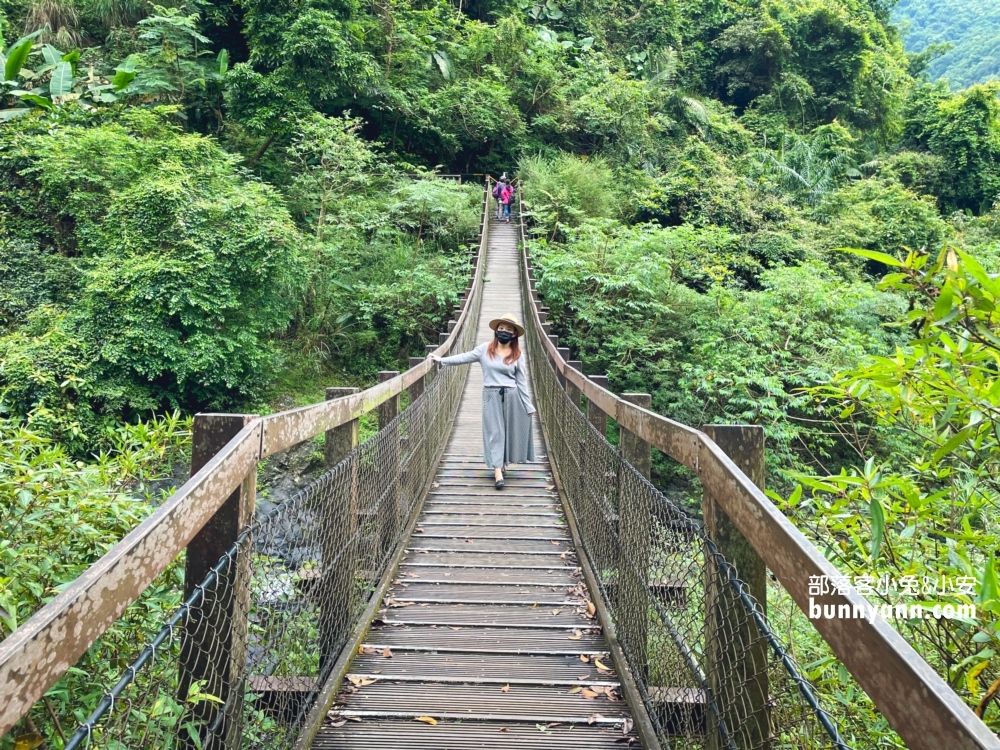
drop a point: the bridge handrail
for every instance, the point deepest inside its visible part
(41, 650)
(919, 705)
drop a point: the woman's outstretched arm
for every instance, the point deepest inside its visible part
(462, 359)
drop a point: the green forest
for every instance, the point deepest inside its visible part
(962, 38)
(759, 212)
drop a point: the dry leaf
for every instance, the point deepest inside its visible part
(450, 628)
(555, 542)
(436, 485)
(534, 605)
(577, 635)
(591, 609)
(28, 741)
(504, 729)
(594, 717)
(426, 720)
(575, 689)
(387, 653)
(556, 611)
(589, 694)
(583, 677)
(367, 650)
(585, 659)
(419, 530)
(550, 487)
(505, 689)
(337, 724)
(359, 681)
(601, 667)
(353, 718)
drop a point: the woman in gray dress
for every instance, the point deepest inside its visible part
(507, 410)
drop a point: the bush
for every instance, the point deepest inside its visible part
(565, 190)
(174, 269)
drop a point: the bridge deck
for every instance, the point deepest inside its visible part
(486, 630)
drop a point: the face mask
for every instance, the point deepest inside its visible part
(505, 337)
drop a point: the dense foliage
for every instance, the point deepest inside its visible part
(211, 205)
(962, 38)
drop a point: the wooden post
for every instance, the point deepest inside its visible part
(392, 520)
(214, 645)
(596, 415)
(338, 553)
(735, 651)
(571, 390)
(634, 524)
(417, 389)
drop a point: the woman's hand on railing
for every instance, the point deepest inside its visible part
(434, 358)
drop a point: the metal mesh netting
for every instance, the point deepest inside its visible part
(709, 669)
(242, 661)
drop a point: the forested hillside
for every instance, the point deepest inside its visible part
(962, 35)
(757, 212)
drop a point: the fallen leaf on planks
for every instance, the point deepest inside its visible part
(550, 487)
(555, 542)
(574, 689)
(426, 720)
(505, 689)
(556, 611)
(504, 729)
(387, 653)
(591, 609)
(589, 694)
(594, 717)
(359, 681)
(601, 667)
(436, 485)
(577, 635)
(366, 650)
(585, 659)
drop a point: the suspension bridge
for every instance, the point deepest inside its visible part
(399, 600)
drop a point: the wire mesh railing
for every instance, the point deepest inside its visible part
(710, 671)
(241, 662)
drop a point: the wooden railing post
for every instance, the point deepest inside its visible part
(392, 520)
(596, 415)
(339, 523)
(214, 645)
(571, 390)
(735, 651)
(633, 531)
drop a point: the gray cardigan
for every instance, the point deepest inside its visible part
(496, 374)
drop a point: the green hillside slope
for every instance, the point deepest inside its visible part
(970, 26)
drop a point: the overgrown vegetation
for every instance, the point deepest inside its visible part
(208, 205)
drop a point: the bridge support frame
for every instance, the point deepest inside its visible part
(388, 411)
(595, 414)
(633, 531)
(339, 519)
(735, 653)
(214, 642)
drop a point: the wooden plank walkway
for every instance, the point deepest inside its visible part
(487, 629)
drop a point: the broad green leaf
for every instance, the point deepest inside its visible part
(878, 527)
(16, 58)
(10, 114)
(122, 79)
(885, 258)
(952, 443)
(35, 99)
(223, 62)
(52, 55)
(61, 83)
(443, 63)
(976, 271)
(988, 588)
(944, 302)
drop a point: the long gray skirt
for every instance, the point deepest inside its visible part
(507, 435)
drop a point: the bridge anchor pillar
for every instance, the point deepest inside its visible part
(735, 652)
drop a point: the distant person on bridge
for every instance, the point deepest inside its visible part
(507, 198)
(498, 192)
(507, 410)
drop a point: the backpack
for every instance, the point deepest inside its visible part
(496, 191)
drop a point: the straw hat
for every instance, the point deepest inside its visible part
(510, 320)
